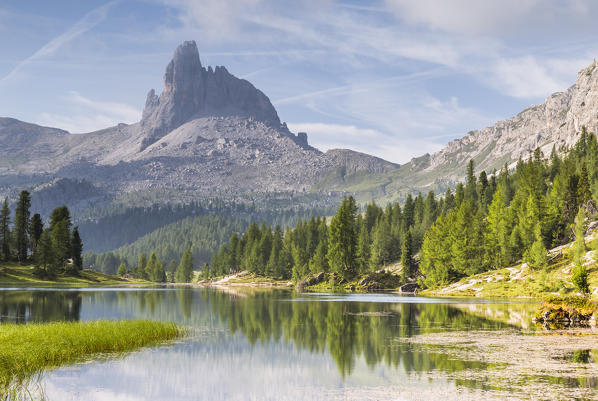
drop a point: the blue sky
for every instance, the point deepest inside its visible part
(394, 78)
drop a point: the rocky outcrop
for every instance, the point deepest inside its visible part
(556, 122)
(192, 91)
(409, 288)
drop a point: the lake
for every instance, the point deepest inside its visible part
(250, 344)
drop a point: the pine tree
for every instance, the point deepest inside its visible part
(407, 257)
(579, 246)
(470, 183)
(45, 255)
(122, 270)
(342, 239)
(498, 232)
(21, 226)
(436, 254)
(172, 268)
(5, 231)
(151, 268)
(408, 213)
(184, 272)
(59, 214)
(60, 242)
(583, 189)
(580, 279)
(77, 250)
(536, 255)
(140, 270)
(36, 228)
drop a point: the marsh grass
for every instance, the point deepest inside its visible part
(28, 350)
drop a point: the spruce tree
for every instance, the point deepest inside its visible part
(470, 183)
(122, 270)
(59, 214)
(45, 255)
(172, 268)
(36, 228)
(61, 244)
(77, 250)
(579, 245)
(5, 231)
(342, 239)
(184, 272)
(140, 270)
(407, 257)
(580, 279)
(21, 226)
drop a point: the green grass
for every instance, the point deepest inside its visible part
(581, 305)
(15, 274)
(27, 350)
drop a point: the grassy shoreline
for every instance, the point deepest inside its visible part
(13, 274)
(28, 350)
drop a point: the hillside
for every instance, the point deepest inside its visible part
(521, 280)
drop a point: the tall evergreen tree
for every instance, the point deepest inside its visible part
(21, 226)
(77, 250)
(122, 270)
(45, 255)
(36, 229)
(407, 257)
(342, 239)
(184, 272)
(5, 231)
(61, 244)
(140, 270)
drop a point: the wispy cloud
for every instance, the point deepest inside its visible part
(90, 20)
(386, 146)
(90, 115)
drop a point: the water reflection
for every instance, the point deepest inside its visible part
(39, 306)
(347, 331)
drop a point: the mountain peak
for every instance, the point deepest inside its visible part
(192, 91)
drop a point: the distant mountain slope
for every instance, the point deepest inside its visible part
(557, 122)
(207, 134)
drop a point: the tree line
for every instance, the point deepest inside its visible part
(518, 215)
(109, 228)
(350, 244)
(488, 222)
(24, 239)
(156, 270)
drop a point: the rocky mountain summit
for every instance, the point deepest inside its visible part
(207, 134)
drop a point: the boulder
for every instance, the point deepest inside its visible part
(409, 288)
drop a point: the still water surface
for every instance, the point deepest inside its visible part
(270, 345)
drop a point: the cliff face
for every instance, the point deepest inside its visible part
(556, 122)
(191, 91)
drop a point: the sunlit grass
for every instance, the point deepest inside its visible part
(27, 350)
(15, 274)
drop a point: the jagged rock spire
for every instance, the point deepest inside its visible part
(191, 91)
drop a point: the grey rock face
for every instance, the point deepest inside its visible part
(191, 91)
(557, 122)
